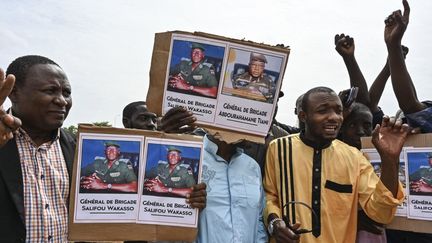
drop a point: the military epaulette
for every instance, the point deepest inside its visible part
(99, 158)
(163, 162)
(209, 65)
(124, 160)
(187, 166)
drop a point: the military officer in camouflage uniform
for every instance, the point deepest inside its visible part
(171, 176)
(195, 75)
(255, 80)
(422, 178)
(109, 172)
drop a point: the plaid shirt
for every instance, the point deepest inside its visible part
(46, 189)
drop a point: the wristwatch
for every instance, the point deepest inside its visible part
(169, 189)
(191, 87)
(109, 186)
(271, 225)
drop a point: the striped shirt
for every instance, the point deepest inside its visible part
(332, 180)
(46, 189)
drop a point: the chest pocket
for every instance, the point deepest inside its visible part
(252, 188)
(339, 198)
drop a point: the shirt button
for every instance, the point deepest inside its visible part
(316, 170)
(46, 206)
(316, 187)
(315, 202)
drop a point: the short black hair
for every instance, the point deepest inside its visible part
(131, 108)
(20, 66)
(320, 89)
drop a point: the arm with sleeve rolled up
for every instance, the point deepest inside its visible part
(380, 196)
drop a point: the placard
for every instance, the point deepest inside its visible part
(98, 209)
(228, 84)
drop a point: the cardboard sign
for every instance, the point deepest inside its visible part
(228, 84)
(130, 184)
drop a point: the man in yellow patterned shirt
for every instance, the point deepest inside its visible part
(315, 169)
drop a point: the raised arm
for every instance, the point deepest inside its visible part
(345, 47)
(395, 26)
(378, 85)
(388, 140)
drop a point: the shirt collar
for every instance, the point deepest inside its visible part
(212, 148)
(312, 143)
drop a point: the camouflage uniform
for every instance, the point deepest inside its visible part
(263, 84)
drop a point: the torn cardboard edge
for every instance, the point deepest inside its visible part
(158, 73)
(404, 223)
(124, 231)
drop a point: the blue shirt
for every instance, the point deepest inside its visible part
(235, 199)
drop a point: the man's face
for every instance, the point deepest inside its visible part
(358, 124)
(173, 157)
(43, 101)
(143, 119)
(256, 68)
(197, 55)
(112, 153)
(323, 117)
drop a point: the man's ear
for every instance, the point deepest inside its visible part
(302, 116)
(126, 122)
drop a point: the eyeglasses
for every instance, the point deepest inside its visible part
(288, 223)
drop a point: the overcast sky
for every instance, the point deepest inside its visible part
(105, 47)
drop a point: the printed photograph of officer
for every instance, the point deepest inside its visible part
(195, 68)
(109, 166)
(171, 170)
(252, 75)
(420, 172)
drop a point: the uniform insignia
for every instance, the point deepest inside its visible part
(117, 163)
(129, 166)
(115, 174)
(175, 179)
(190, 172)
(212, 72)
(197, 77)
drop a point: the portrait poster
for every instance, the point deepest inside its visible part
(226, 83)
(107, 179)
(419, 174)
(375, 160)
(171, 168)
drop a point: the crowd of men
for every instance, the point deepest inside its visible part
(312, 186)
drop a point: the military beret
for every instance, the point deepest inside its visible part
(111, 143)
(197, 46)
(257, 57)
(172, 148)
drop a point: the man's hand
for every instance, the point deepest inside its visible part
(8, 123)
(178, 120)
(283, 234)
(155, 185)
(178, 82)
(344, 45)
(396, 24)
(92, 182)
(420, 186)
(389, 137)
(198, 197)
